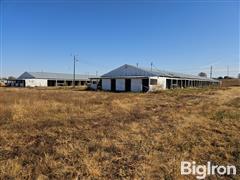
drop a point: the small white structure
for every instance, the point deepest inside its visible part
(35, 83)
(135, 79)
(44, 79)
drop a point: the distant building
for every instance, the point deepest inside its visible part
(45, 79)
(131, 78)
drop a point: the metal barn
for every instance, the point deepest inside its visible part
(135, 79)
(45, 79)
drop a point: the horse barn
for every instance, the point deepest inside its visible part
(132, 78)
(45, 79)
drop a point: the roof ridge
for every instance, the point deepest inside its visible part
(60, 73)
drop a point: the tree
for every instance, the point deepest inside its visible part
(227, 77)
(202, 74)
(11, 78)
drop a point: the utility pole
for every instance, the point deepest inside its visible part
(74, 69)
(137, 64)
(211, 72)
(74, 66)
(151, 65)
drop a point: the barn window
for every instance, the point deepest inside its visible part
(153, 81)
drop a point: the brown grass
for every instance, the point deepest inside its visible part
(66, 134)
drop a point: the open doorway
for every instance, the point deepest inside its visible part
(168, 84)
(113, 84)
(51, 82)
(145, 85)
(179, 83)
(127, 85)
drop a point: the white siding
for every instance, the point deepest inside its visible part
(120, 84)
(161, 84)
(36, 82)
(106, 84)
(136, 85)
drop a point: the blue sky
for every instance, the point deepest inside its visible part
(182, 36)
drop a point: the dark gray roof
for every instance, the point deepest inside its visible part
(133, 71)
(53, 76)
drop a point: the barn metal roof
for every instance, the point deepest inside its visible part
(133, 71)
(53, 76)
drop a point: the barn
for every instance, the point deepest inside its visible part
(136, 79)
(45, 79)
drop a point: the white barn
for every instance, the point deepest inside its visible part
(135, 79)
(45, 79)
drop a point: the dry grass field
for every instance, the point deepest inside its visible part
(66, 134)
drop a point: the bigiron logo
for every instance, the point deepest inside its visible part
(202, 171)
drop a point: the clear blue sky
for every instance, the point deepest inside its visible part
(183, 36)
